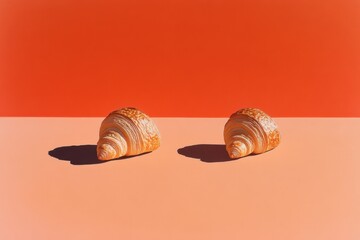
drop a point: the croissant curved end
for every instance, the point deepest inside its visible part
(105, 152)
(237, 149)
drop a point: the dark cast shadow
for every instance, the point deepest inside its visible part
(80, 155)
(206, 152)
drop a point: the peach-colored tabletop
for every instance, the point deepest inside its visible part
(52, 186)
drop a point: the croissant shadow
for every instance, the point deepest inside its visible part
(80, 155)
(206, 152)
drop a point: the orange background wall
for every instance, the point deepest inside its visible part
(191, 58)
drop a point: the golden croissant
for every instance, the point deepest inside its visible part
(126, 132)
(250, 130)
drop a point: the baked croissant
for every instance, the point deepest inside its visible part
(126, 132)
(250, 130)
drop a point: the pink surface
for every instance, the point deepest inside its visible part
(307, 188)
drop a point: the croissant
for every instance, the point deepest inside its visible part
(250, 130)
(126, 132)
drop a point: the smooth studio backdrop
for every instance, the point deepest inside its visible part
(180, 58)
